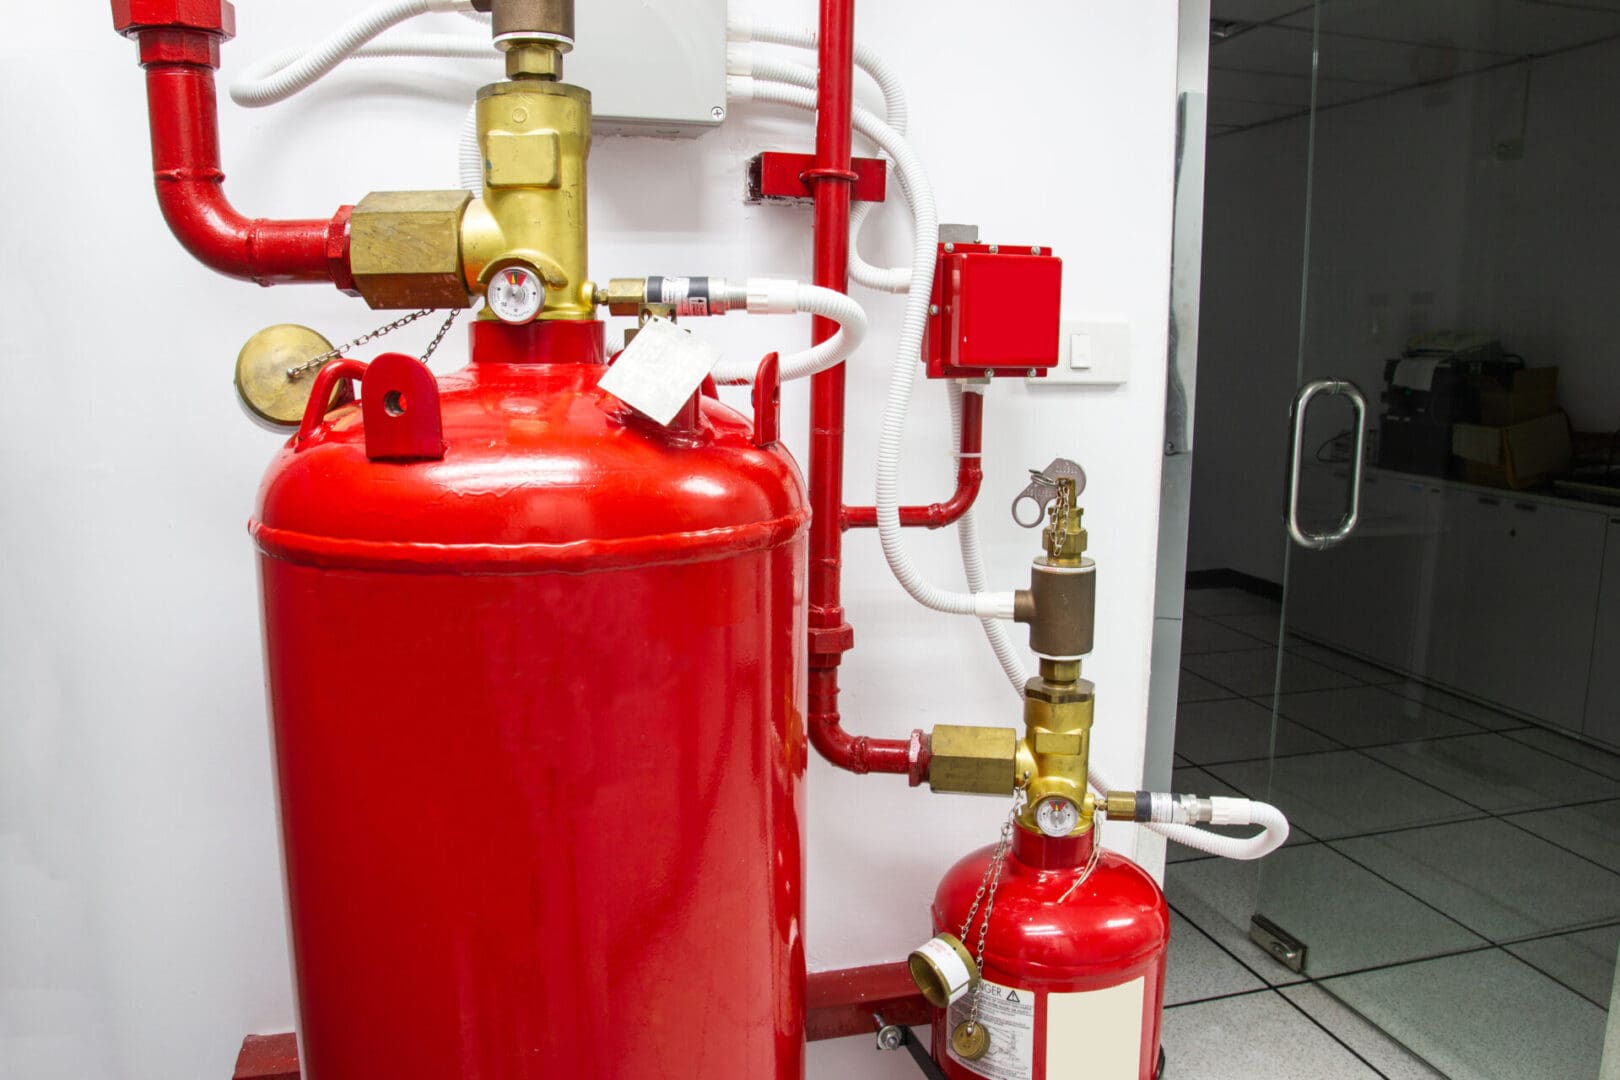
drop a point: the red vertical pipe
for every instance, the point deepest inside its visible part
(832, 179)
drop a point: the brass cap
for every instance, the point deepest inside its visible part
(943, 969)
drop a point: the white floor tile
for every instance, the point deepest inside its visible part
(1196, 688)
(1583, 754)
(1347, 917)
(1494, 771)
(1254, 1037)
(1199, 969)
(1227, 602)
(1261, 626)
(1482, 1016)
(1253, 672)
(1592, 830)
(1501, 882)
(1202, 635)
(1343, 793)
(1376, 1048)
(1369, 716)
(1239, 730)
(1583, 961)
(1483, 715)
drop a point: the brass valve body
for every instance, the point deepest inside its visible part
(1059, 707)
(536, 136)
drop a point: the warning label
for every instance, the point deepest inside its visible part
(1008, 1014)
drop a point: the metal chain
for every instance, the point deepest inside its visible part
(987, 895)
(1060, 517)
(320, 361)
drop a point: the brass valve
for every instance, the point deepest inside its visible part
(438, 249)
(1052, 758)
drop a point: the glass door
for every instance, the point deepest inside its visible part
(1444, 674)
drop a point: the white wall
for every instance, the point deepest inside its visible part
(1416, 225)
(142, 929)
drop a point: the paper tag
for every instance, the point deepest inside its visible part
(660, 370)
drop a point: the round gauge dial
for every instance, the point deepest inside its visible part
(515, 294)
(1056, 817)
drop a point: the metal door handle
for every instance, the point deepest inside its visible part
(1302, 405)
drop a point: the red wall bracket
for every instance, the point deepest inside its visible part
(780, 176)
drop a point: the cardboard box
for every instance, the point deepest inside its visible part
(1514, 456)
(1531, 394)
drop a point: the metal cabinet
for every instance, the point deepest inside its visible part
(1514, 602)
(1603, 691)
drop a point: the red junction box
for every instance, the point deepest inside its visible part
(996, 311)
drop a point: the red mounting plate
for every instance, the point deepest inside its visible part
(776, 175)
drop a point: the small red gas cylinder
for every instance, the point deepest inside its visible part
(1073, 967)
(537, 683)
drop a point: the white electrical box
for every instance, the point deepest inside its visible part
(1091, 354)
(653, 67)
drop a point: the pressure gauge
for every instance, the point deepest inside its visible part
(515, 294)
(1056, 816)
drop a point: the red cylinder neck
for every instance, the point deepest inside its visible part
(552, 341)
(1045, 853)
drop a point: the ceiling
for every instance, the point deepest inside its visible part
(1261, 52)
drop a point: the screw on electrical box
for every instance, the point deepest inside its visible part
(718, 112)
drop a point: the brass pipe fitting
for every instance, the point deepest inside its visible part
(1060, 605)
(973, 760)
(534, 20)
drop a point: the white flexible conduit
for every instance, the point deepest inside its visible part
(470, 159)
(914, 184)
(279, 77)
(771, 297)
(742, 61)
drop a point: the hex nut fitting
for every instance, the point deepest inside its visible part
(973, 760)
(405, 249)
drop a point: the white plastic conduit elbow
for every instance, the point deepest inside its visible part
(279, 77)
(768, 296)
(914, 184)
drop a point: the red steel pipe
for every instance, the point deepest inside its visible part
(183, 106)
(969, 476)
(832, 179)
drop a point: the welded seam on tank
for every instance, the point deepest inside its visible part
(578, 556)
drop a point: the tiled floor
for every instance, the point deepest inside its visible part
(1454, 872)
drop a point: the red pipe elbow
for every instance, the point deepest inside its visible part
(183, 108)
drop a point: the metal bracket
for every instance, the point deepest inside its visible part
(895, 1036)
(1282, 946)
(779, 176)
(1043, 488)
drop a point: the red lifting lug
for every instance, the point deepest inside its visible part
(400, 403)
(768, 402)
(217, 17)
(996, 311)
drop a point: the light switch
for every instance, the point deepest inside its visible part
(1094, 353)
(1080, 352)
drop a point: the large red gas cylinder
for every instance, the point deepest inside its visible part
(1073, 963)
(538, 720)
